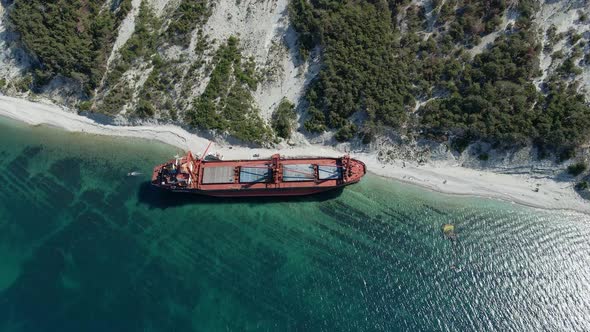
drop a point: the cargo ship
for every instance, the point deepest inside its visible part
(276, 176)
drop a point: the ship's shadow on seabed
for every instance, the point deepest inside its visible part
(161, 199)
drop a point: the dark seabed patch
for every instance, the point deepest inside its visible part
(68, 172)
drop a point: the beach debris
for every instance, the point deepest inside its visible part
(449, 231)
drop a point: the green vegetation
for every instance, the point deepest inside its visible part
(374, 66)
(483, 157)
(226, 105)
(582, 185)
(574, 37)
(116, 99)
(283, 119)
(577, 168)
(362, 70)
(558, 55)
(189, 15)
(142, 44)
(84, 106)
(158, 89)
(387, 62)
(346, 133)
(145, 109)
(491, 98)
(158, 94)
(69, 38)
(568, 67)
(140, 47)
(316, 121)
(24, 84)
(370, 66)
(472, 19)
(562, 119)
(495, 101)
(582, 17)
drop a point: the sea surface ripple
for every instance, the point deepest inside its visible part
(83, 247)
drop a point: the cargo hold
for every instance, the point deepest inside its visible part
(255, 174)
(220, 174)
(329, 172)
(298, 172)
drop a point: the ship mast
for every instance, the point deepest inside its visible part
(205, 153)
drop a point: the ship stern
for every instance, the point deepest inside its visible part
(157, 174)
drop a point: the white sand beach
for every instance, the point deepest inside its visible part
(441, 177)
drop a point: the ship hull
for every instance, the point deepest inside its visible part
(279, 192)
(276, 176)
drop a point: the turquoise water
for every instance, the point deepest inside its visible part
(85, 248)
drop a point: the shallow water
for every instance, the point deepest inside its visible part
(83, 247)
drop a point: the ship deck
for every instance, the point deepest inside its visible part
(236, 184)
(259, 176)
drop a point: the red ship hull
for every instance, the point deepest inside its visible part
(257, 193)
(257, 178)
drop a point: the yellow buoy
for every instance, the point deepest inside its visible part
(449, 231)
(447, 228)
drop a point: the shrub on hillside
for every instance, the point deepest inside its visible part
(582, 185)
(577, 168)
(227, 104)
(68, 38)
(283, 119)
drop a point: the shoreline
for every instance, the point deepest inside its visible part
(442, 177)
